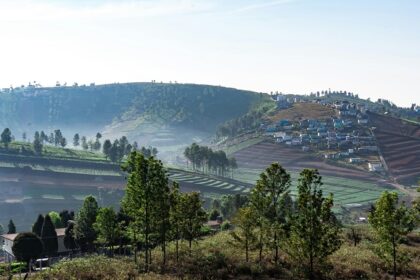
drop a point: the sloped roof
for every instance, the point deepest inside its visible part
(12, 236)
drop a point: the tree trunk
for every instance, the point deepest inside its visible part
(276, 257)
(311, 266)
(246, 250)
(394, 257)
(177, 249)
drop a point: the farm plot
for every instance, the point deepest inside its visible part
(347, 192)
(399, 143)
(204, 183)
(261, 155)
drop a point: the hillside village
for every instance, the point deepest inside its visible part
(346, 135)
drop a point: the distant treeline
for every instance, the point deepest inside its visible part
(115, 151)
(208, 161)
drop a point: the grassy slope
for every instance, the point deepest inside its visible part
(216, 257)
(304, 111)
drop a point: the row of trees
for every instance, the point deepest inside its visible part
(203, 158)
(307, 229)
(120, 148)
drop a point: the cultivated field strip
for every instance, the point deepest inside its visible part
(399, 143)
(205, 183)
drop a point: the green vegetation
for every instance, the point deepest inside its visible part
(208, 161)
(391, 224)
(280, 237)
(134, 106)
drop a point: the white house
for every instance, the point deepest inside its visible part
(9, 238)
(375, 166)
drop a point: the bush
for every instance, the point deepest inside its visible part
(225, 226)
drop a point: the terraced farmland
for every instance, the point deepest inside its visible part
(207, 184)
(262, 154)
(347, 192)
(399, 143)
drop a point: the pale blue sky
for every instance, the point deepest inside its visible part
(296, 46)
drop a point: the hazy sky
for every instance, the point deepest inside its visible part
(295, 46)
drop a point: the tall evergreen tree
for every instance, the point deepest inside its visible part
(11, 227)
(391, 224)
(69, 240)
(49, 237)
(194, 216)
(269, 196)
(37, 226)
(106, 226)
(84, 232)
(315, 229)
(245, 236)
(147, 186)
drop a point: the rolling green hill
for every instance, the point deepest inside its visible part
(132, 108)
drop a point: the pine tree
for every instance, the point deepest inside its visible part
(11, 227)
(271, 189)
(69, 240)
(106, 225)
(37, 226)
(194, 216)
(391, 224)
(84, 232)
(145, 199)
(245, 235)
(315, 230)
(49, 237)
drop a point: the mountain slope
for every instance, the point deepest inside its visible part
(124, 107)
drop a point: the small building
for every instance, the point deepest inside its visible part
(375, 166)
(355, 160)
(9, 238)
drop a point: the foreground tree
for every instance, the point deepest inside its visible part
(107, 227)
(84, 232)
(56, 219)
(66, 216)
(26, 247)
(147, 188)
(315, 230)
(49, 237)
(391, 224)
(37, 226)
(194, 216)
(245, 236)
(270, 193)
(69, 241)
(175, 216)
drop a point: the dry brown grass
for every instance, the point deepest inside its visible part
(301, 111)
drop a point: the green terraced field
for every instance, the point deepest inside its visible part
(347, 192)
(216, 185)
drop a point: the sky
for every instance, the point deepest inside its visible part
(369, 47)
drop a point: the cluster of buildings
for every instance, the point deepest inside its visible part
(345, 136)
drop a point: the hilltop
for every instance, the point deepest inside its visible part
(149, 112)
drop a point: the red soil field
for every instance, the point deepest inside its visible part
(261, 155)
(399, 143)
